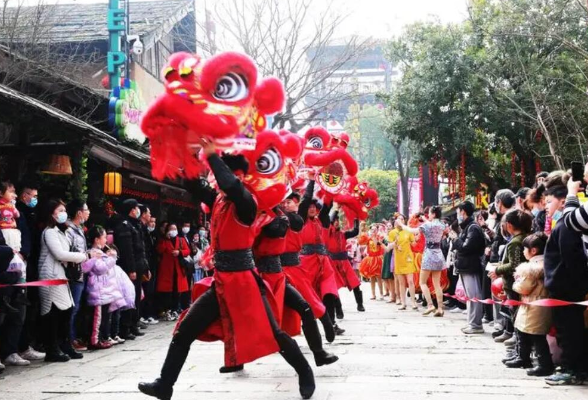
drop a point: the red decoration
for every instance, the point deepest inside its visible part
(109, 208)
(421, 181)
(513, 167)
(523, 173)
(139, 194)
(462, 176)
(180, 203)
(538, 135)
(537, 166)
(430, 172)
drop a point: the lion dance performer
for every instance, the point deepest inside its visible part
(336, 246)
(314, 259)
(206, 103)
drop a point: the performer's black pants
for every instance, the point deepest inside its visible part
(294, 300)
(330, 302)
(203, 312)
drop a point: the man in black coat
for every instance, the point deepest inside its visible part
(31, 246)
(128, 237)
(469, 248)
(148, 311)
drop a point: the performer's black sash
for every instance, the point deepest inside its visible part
(290, 259)
(269, 265)
(234, 260)
(310, 249)
(340, 256)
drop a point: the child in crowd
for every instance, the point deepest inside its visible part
(532, 322)
(127, 289)
(102, 289)
(8, 216)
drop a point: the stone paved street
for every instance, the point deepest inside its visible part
(385, 354)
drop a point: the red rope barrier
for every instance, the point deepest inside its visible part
(46, 282)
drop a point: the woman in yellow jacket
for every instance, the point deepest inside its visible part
(404, 266)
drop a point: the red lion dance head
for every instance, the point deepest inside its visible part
(219, 98)
(271, 167)
(332, 163)
(356, 200)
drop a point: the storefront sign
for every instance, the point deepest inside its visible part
(125, 110)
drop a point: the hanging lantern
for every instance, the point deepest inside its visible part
(112, 184)
(435, 173)
(522, 173)
(57, 165)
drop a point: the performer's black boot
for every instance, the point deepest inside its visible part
(293, 356)
(315, 343)
(228, 370)
(338, 331)
(328, 327)
(162, 387)
(358, 299)
(339, 309)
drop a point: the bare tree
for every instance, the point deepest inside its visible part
(289, 40)
(33, 55)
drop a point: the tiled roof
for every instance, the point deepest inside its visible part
(63, 23)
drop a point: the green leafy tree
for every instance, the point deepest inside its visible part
(385, 183)
(370, 146)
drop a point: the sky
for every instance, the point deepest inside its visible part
(376, 18)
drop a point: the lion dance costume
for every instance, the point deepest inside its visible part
(222, 101)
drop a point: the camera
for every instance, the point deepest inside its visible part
(138, 47)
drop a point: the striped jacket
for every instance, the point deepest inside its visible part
(576, 218)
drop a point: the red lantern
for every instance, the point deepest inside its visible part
(523, 173)
(421, 179)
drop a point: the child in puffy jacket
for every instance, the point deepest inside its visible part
(532, 323)
(102, 289)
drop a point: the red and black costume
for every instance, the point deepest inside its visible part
(269, 245)
(314, 258)
(248, 328)
(345, 276)
(290, 260)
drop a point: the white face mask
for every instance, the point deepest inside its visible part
(172, 234)
(61, 217)
(150, 229)
(185, 230)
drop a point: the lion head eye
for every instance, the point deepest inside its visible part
(231, 87)
(316, 142)
(269, 163)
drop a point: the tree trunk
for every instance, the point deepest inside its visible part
(403, 179)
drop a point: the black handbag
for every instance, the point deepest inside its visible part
(187, 263)
(73, 271)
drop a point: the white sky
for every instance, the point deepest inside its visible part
(377, 18)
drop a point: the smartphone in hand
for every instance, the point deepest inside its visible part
(577, 171)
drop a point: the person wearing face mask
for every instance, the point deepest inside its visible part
(78, 213)
(57, 302)
(503, 202)
(566, 278)
(30, 246)
(518, 225)
(469, 247)
(172, 281)
(128, 238)
(148, 311)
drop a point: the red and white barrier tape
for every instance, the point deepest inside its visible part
(42, 283)
(539, 303)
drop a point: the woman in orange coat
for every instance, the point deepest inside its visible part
(172, 281)
(371, 266)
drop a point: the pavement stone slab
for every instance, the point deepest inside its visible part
(385, 353)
